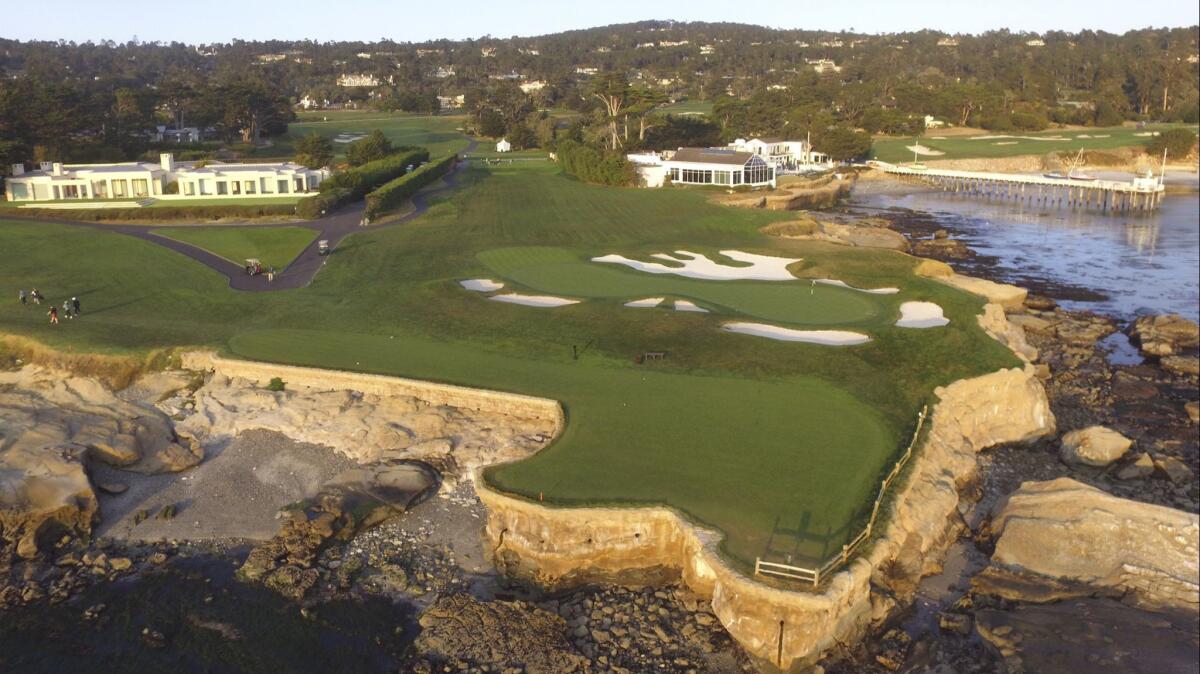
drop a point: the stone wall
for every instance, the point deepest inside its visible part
(558, 547)
(482, 400)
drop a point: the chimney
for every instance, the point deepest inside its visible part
(167, 161)
(56, 168)
(45, 166)
(18, 169)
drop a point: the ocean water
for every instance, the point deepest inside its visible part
(1123, 264)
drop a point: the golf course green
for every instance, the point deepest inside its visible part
(776, 444)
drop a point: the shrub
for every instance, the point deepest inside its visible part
(171, 187)
(594, 166)
(395, 192)
(276, 384)
(374, 147)
(166, 212)
(370, 176)
(1178, 143)
(1030, 121)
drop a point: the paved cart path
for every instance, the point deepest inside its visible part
(304, 267)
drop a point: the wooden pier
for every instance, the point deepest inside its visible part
(1140, 194)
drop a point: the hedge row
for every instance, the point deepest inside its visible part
(311, 208)
(594, 166)
(398, 191)
(371, 176)
(160, 213)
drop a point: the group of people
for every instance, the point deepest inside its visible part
(70, 307)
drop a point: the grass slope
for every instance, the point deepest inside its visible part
(274, 246)
(1021, 143)
(749, 435)
(438, 133)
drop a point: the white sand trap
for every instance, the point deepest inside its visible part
(1005, 142)
(1083, 135)
(534, 300)
(1102, 135)
(937, 138)
(843, 284)
(921, 315)
(1144, 134)
(827, 337)
(761, 267)
(926, 151)
(646, 303)
(1004, 137)
(481, 285)
(684, 305)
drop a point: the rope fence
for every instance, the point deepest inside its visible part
(814, 576)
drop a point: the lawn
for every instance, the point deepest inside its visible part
(274, 246)
(687, 108)
(1015, 143)
(438, 133)
(752, 436)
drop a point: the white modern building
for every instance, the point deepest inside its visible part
(704, 166)
(144, 180)
(790, 156)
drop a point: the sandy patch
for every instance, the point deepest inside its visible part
(1145, 134)
(481, 285)
(694, 265)
(826, 337)
(348, 137)
(1102, 135)
(926, 151)
(921, 315)
(843, 284)
(1006, 137)
(534, 300)
(1005, 142)
(645, 303)
(684, 305)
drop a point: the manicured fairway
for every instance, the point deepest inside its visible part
(561, 272)
(1014, 143)
(273, 246)
(750, 435)
(438, 133)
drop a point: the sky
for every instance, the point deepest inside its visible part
(420, 20)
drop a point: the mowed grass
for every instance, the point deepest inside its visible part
(437, 133)
(1016, 143)
(765, 440)
(273, 246)
(687, 108)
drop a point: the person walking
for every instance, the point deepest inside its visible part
(75, 305)
(21, 296)
(271, 275)
(37, 297)
(53, 313)
(67, 309)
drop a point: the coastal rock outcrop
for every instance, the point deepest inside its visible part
(1010, 297)
(1065, 531)
(366, 427)
(44, 492)
(1165, 335)
(1094, 446)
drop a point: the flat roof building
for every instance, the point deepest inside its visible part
(718, 166)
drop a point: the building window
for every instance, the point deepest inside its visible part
(299, 184)
(70, 191)
(281, 186)
(722, 178)
(697, 177)
(189, 189)
(235, 187)
(19, 191)
(249, 187)
(222, 188)
(99, 189)
(118, 188)
(140, 187)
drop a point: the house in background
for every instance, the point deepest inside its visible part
(786, 156)
(187, 134)
(504, 146)
(54, 181)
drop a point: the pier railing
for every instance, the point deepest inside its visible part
(814, 576)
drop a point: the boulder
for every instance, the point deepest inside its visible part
(1188, 366)
(1064, 530)
(933, 269)
(1093, 446)
(994, 322)
(864, 236)
(1165, 335)
(942, 248)
(1140, 468)
(44, 493)
(1011, 297)
(1040, 303)
(1192, 409)
(1175, 470)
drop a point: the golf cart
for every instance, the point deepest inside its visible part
(323, 247)
(253, 267)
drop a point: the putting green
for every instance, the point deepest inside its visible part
(563, 272)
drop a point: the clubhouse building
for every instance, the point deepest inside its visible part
(787, 156)
(147, 180)
(704, 166)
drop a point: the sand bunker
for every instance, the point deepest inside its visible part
(348, 137)
(921, 315)
(826, 337)
(534, 300)
(694, 265)
(926, 151)
(646, 303)
(843, 284)
(481, 285)
(1005, 137)
(1005, 142)
(684, 305)
(1144, 134)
